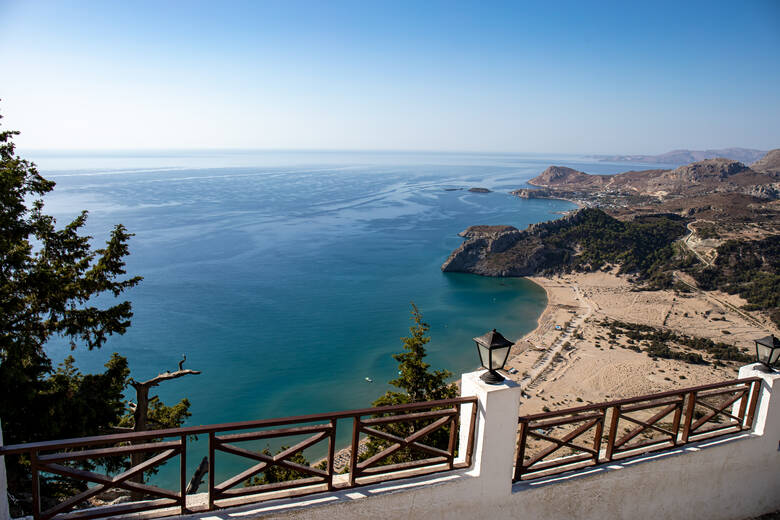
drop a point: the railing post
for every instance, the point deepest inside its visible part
(597, 436)
(36, 485)
(183, 474)
(453, 434)
(676, 423)
(331, 452)
(521, 440)
(211, 470)
(756, 387)
(690, 407)
(612, 433)
(5, 511)
(740, 406)
(496, 432)
(353, 455)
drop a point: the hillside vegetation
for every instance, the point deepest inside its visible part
(642, 246)
(645, 247)
(748, 268)
(584, 241)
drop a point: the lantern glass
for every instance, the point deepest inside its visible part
(499, 357)
(764, 353)
(774, 357)
(484, 355)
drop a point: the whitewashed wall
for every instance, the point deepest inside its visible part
(4, 512)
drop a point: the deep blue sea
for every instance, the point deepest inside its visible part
(287, 277)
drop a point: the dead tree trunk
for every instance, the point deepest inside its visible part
(141, 412)
(197, 477)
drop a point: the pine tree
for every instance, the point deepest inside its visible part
(417, 384)
(414, 379)
(50, 281)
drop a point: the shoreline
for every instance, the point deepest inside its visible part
(578, 203)
(569, 359)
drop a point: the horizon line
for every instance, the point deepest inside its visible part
(359, 150)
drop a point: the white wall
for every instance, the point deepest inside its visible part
(728, 479)
(4, 512)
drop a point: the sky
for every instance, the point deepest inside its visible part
(526, 77)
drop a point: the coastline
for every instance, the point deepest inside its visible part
(569, 360)
(577, 203)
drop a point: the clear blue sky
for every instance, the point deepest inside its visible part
(569, 77)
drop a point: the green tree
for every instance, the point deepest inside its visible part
(54, 284)
(49, 279)
(414, 378)
(416, 384)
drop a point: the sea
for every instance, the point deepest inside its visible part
(287, 277)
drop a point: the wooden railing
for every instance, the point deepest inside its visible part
(159, 446)
(563, 440)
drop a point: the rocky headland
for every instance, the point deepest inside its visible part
(496, 251)
(584, 240)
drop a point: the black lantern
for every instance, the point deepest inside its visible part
(493, 349)
(768, 351)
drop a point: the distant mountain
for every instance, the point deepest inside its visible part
(744, 155)
(705, 177)
(769, 164)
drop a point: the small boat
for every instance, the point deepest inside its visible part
(369, 380)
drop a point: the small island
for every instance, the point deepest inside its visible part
(479, 190)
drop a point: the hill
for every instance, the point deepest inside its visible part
(745, 155)
(711, 175)
(584, 241)
(564, 176)
(719, 184)
(769, 164)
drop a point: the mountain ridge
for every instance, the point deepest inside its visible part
(719, 175)
(685, 156)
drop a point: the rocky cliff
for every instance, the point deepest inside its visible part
(584, 240)
(496, 251)
(507, 251)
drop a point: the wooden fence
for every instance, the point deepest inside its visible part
(563, 440)
(65, 458)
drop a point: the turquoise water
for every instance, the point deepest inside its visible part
(287, 278)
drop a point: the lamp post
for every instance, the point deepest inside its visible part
(768, 351)
(493, 350)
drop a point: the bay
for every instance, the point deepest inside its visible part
(287, 277)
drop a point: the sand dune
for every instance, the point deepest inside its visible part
(579, 364)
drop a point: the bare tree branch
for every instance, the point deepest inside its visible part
(122, 429)
(165, 376)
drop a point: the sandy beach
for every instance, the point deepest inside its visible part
(570, 360)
